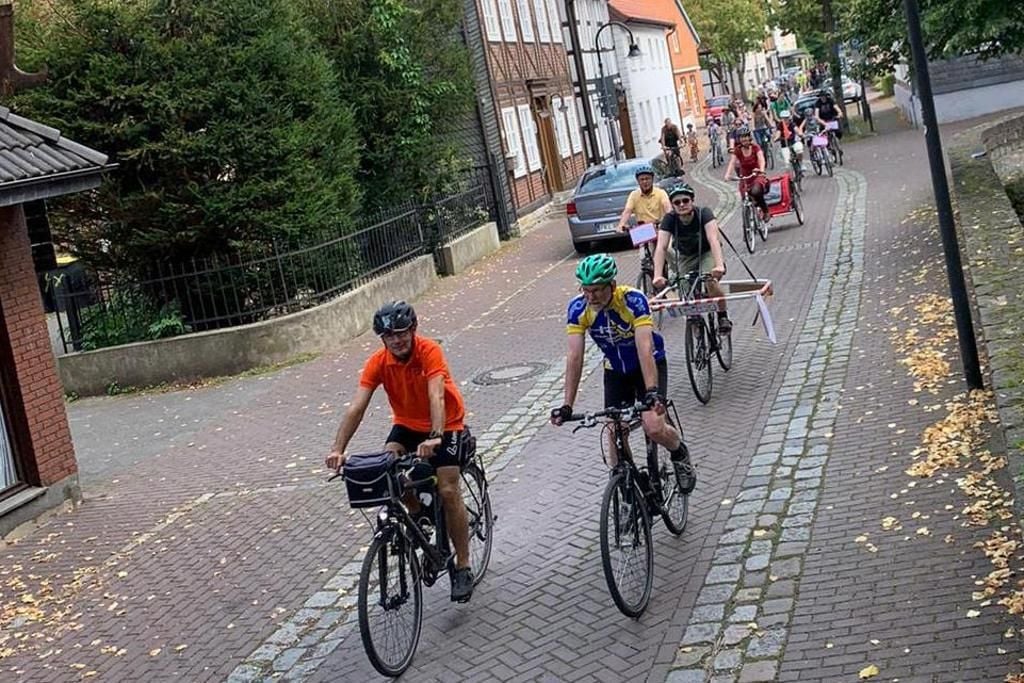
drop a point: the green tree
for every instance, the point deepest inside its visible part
(989, 28)
(729, 30)
(224, 116)
(404, 69)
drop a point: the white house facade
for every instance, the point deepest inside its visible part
(648, 81)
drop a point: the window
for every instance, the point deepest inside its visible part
(675, 41)
(617, 177)
(490, 9)
(525, 21)
(556, 21)
(543, 28)
(513, 147)
(508, 20)
(574, 128)
(561, 129)
(529, 128)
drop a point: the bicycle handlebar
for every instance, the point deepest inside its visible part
(617, 414)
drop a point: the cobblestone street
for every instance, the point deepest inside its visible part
(210, 548)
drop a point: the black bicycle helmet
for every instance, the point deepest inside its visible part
(393, 317)
(683, 189)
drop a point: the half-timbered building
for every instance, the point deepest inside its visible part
(533, 97)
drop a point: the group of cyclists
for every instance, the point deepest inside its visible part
(428, 410)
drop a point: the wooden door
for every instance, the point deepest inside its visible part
(628, 146)
(550, 156)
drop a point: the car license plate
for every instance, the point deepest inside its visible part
(605, 227)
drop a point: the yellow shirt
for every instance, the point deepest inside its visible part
(648, 208)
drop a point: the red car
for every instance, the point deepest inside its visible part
(714, 107)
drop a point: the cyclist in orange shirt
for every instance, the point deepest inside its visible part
(428, 415)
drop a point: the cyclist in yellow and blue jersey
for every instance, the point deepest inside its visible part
(619, 321)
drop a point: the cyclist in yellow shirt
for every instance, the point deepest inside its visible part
(648, 203)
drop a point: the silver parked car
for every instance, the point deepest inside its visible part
(600, 196)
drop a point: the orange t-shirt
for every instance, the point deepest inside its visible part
(406, 385)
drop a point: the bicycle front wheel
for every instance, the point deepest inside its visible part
(724, 348)
(627, 555)
(698, 357)
(481, 520)
(390, 603)
(748, 227)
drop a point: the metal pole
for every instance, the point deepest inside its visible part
(581, 80)
(940, 186)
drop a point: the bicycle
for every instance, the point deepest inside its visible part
(717, 157)
(645, 278)
(703, 336)
(835, 150)
(753, 223)
(820, 159)
(764, 140)
(402, 557)
(674, 160)
(632, 495)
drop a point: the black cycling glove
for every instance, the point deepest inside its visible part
(652, 397)
(563, 413)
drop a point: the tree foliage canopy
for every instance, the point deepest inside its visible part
(989, 28)
(729, 29)
(239, 122)
(405, 71)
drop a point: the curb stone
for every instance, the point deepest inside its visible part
(756, 568)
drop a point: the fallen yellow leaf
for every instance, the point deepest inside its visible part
(181, 647)
(154, 652)
(867, 672)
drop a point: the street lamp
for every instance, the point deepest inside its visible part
(940, 187)
(634, 51)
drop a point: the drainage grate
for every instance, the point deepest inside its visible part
(507, 374)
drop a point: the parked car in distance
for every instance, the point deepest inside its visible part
(714, 107)
(597, 202)
(851, 90)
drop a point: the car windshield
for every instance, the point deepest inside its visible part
(610, 178)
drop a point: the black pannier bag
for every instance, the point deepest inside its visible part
(370, 479)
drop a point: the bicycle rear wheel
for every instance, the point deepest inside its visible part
(769, 156)
(748, 227)
(698, 357)
(816, 161)
(481, 520)
(627, 555)
(798, 208)
(390, 603)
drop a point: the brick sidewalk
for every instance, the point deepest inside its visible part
(207, 523)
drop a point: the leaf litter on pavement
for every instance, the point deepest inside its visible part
(953, 447)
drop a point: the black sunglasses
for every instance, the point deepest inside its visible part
(682, 201)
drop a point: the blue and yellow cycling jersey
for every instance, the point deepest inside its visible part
(614, 327)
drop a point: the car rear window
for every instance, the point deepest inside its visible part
(609, 178)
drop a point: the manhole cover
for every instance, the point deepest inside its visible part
(507, 374)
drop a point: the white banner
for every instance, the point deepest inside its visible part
(766, 318)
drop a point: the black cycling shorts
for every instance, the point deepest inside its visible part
(448, 454)
(621, 390)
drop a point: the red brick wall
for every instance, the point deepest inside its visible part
(34, 365)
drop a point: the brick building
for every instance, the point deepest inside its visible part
(533, 97)
(37, 459)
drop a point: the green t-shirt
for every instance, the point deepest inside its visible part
(780, 105)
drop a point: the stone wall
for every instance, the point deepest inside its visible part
(232, 350)
(992, 243)
(964, 88)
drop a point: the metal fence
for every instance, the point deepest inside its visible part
(106, 308)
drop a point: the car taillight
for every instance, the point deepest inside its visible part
(570, 209)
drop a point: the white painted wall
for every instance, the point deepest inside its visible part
(649, 85)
